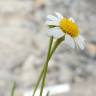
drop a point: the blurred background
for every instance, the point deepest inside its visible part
(24, 42)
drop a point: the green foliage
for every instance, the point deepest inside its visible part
(51, 26)
(13, 89)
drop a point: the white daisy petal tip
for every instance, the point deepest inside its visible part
(69, 41)
(71, 19)
(51, 18)
(55, 23)
(81, 37)
(74, 42)
(80, 42)
(60, 16)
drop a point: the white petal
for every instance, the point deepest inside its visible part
(55, 23)
(51, 17)
(69, 41)
(55, 32)
(81, 37)
(58, 15)
(80, 43)
(71, 19)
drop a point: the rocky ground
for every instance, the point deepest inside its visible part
(24, 42)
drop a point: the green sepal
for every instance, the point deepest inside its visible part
(51, 26)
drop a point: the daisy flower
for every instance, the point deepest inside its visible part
(60, 26)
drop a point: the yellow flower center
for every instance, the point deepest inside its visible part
(69, 27)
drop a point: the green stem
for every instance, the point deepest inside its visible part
(58, 41)
(43, 81)
(51, 50)
(13, 89)
(56, 44)
(38, 81)
(42, 71)
(46, 66)
(47, 93)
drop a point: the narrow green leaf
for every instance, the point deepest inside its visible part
(13, 89)
(47, 93)
(42, 72)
